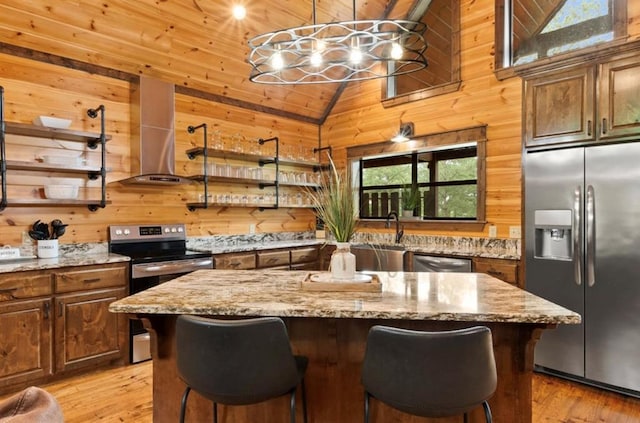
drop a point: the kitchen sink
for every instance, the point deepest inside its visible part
(387, 258)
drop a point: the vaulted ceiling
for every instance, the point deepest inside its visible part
(196, 44)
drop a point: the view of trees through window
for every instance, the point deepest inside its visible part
(537, 29)
(446, 181)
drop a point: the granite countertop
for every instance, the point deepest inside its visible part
(32, 263)
(413, 296)
(213, 248)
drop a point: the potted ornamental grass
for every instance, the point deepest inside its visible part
(409, 198)
(335, 205)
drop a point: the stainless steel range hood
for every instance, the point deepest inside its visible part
(153, 134)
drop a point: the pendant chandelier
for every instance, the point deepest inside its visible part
(338, 51)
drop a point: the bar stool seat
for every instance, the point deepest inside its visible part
(31, 405)
(238, 362)
(430, 374)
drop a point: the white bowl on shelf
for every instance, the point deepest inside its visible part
(52, 122)
(62, 160)
(61, 192)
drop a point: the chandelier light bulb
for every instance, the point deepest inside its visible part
(316, 58)
(277, 62)
(396, 51)
(239, 12)
(356, 55)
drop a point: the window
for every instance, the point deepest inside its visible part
(442, 75)
(446, 180)
(531, 30)
(446, 169)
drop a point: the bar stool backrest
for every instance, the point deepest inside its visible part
(235, 362)
(430, 374)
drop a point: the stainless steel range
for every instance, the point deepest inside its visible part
(158, 253)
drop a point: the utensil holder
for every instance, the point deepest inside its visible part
(48, 248)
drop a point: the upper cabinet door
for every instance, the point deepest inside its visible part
(619, 102)
(559, 107)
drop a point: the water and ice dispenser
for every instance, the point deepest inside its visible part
(553, 234)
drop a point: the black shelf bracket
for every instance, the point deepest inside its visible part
(93, 113)
(3, 158)
(205, 154)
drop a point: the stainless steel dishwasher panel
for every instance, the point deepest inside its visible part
(424, 263)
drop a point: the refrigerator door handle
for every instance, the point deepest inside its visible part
(577, 251)
(591, 236)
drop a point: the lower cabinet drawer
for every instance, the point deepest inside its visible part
(235, 261)
(20, 285)
(304, 255)
(273, 258)
(78, 280)
(506, 270)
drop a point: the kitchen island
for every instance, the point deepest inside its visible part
(330, 327)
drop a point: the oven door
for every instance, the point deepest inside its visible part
(148, 275)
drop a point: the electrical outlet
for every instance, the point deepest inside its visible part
(515, 232)
(493, 231)
(252, 228)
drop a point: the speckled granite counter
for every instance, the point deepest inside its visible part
(331, 329)
(441, 245)
(23, 265)
(412, 296)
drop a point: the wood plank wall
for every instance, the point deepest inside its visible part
(359, 118)
(33, 88)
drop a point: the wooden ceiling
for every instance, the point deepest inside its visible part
(196, 44)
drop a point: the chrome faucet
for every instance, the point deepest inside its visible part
(399, 231)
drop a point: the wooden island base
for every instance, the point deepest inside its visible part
(335, 348)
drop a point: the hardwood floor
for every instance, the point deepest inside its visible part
(123, 395)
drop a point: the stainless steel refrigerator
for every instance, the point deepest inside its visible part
(582, 222)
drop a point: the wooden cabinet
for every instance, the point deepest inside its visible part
(559, 107)
(273, 259)
(594, 102)
(305, 258)
(86, 332)
(506, 270)
(25, 345)
(57, 321)
(295, 258)
(619, 101)
(42, 171)
(235, 261)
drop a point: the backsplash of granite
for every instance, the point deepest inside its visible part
(463, 246)
(231, 241)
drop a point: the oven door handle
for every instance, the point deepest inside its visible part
(181, 266)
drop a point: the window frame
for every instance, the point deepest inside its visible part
(413, 159)
(503, 45)
(392, 99)
(421, 143)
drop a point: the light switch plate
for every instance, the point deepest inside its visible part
(252, 228)
(515, 232)
(493, 231)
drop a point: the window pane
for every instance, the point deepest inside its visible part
(457, 169)
(424, 171)
(387, 175)
(558, 26)
(457, 201)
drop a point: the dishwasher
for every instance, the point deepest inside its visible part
(423, 263)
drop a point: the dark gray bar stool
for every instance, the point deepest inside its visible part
(430, 374)
(238, 362)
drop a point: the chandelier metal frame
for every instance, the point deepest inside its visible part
(333, 52)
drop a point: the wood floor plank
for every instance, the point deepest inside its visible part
(124, 395)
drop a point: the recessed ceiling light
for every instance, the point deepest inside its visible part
(239, 12)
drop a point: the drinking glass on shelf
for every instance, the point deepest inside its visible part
(216, 140)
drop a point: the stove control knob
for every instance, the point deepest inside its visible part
(127, 232)
(174, 230)
(180, 230)
(118, 232)
(167, 230)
